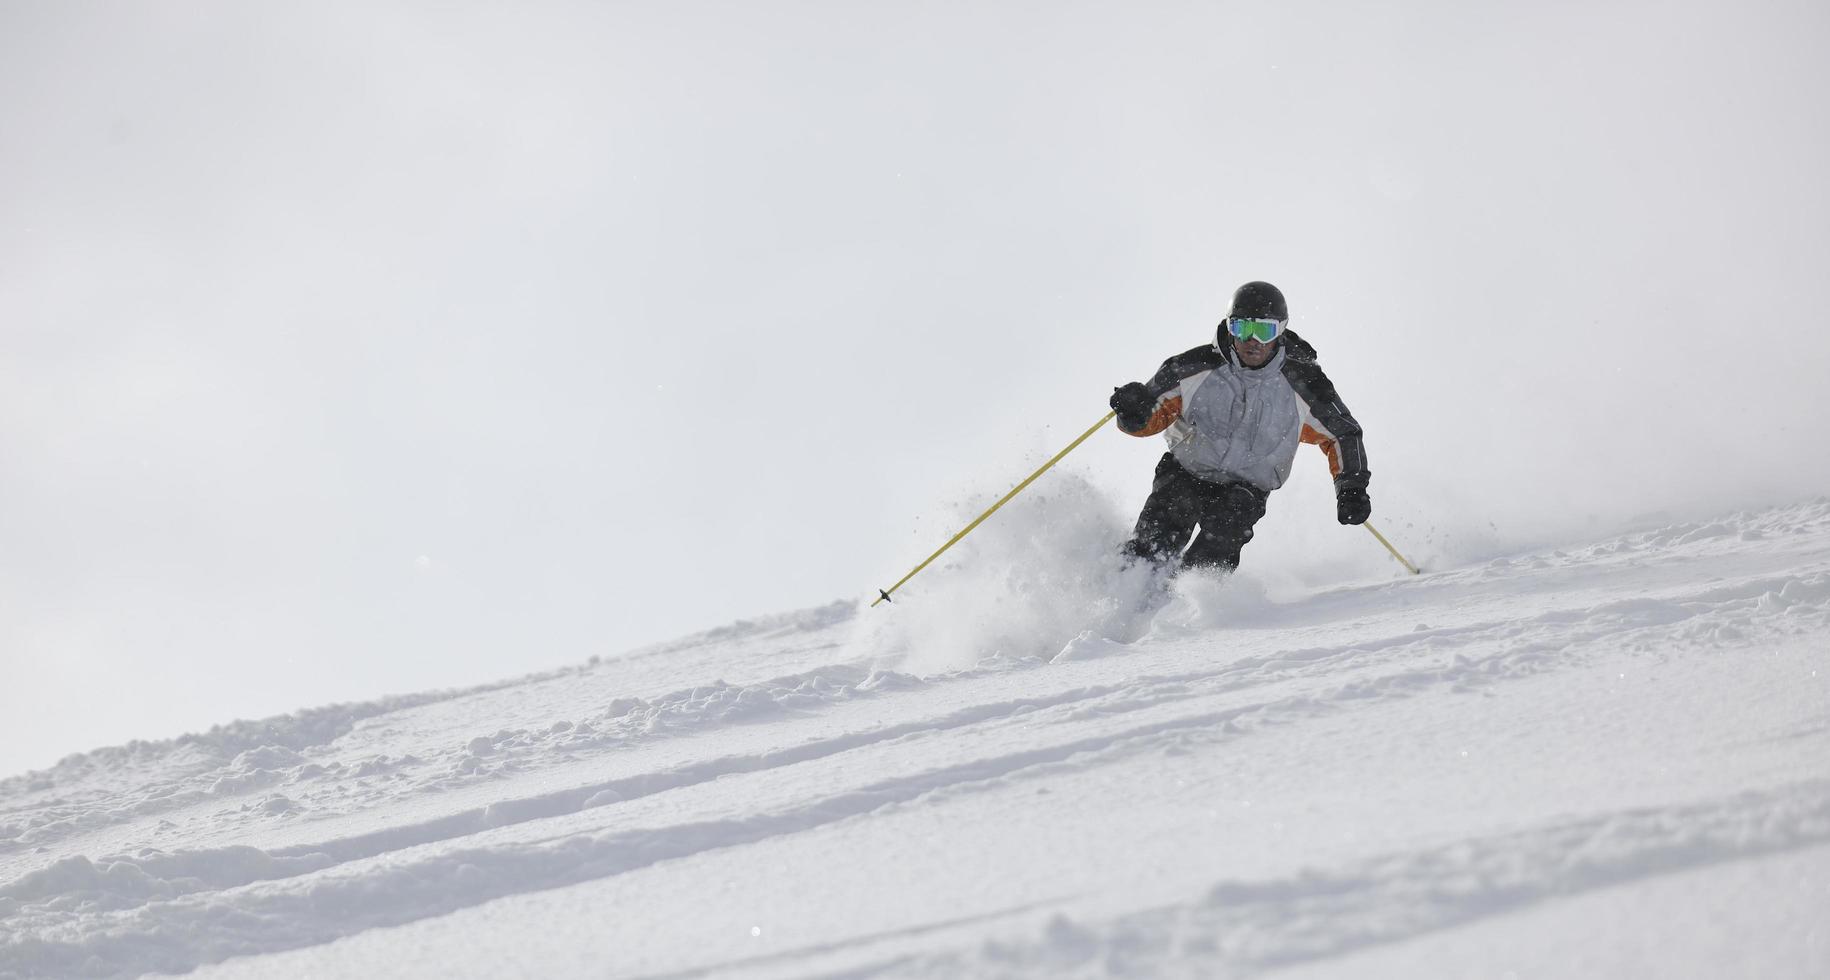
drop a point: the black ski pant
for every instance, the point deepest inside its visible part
(1178, 502)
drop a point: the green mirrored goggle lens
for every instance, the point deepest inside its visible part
(1254, 329)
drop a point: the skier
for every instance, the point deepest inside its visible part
(1233, 413)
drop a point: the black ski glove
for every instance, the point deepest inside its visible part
(1133, 403)
(1351, 504)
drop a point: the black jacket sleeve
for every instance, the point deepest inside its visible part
(1162, 390)
(1334, 422)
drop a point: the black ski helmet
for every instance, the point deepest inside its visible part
(1259, 300)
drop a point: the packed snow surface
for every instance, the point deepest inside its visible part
(1604, 761)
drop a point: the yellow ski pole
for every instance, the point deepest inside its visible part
(883, 595)
(1388, 547)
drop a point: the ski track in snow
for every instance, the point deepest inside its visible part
(299, 831)
(1253, 925)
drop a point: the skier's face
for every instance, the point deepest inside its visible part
(1254, 353)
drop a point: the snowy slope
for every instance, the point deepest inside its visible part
(1604, 761)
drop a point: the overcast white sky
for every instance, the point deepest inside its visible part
(354, 348)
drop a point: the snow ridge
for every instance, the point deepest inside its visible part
(1240, 928)
(339, 827)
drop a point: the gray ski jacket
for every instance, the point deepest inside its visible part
(1228, 423)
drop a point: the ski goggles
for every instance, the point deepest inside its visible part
(1254, 328)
